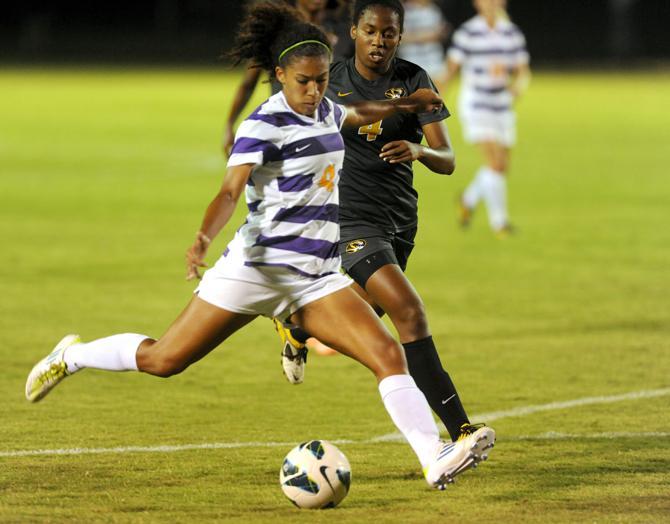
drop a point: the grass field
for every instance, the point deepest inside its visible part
(104, 176)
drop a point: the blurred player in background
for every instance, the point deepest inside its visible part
(379, 205)
(312, 11)
(283, 260)
(491, 53)
(424, 36)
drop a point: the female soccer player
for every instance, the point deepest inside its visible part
(283, 260)
(491, 52)
(378, 204)
(425, 33)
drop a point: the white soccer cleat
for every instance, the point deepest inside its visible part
(49, 371)
(453, 458)
(293, 354)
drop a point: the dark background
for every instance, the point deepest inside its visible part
(607, 32)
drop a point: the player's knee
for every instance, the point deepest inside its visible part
(500, 163)
(389, 358)
(168, 367)
(410, 320)
(159, 364)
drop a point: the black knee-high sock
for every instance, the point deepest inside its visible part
(300, 334)
(434, 382)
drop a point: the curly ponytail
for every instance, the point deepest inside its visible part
(271, 30)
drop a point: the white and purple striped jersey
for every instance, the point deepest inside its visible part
(420, 18)
(292, 192)
(487, 57)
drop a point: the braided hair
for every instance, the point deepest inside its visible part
(268, 36)
(359, 7)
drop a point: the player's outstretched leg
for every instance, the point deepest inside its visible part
(197, 330)
(293, 354)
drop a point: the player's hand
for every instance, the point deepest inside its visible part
(195, 256)
(400, 151)
(422, 101)
(228, 140)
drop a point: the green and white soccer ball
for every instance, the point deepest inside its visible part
(315, 475)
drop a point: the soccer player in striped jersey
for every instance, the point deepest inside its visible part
(491, 53)
(283, 261)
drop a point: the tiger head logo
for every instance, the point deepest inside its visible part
(356, 245)
(395, 92)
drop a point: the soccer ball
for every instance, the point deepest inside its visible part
(315, 475)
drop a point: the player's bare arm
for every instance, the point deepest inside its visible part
(450, 73)
(217, 215)
(438, 156)
(520, 80)
(369, 111)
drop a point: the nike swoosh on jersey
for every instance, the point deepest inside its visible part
(340, 93)
(298, 149)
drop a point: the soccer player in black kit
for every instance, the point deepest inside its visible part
(378, 203)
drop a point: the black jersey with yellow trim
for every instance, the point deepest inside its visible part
(373, 191)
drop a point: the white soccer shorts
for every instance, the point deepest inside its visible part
(268, 291)
(486, 125)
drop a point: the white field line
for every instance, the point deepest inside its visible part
(391, 437)
(529, 410)
(611, 435)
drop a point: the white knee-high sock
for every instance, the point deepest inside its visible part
(115, 353)
(495, 196)
(411, 414)
(475, 190)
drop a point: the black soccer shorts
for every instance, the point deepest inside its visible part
(365, 249)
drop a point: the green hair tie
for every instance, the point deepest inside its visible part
(297, 44)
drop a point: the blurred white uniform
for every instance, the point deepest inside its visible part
(487, 57)
(429, 55)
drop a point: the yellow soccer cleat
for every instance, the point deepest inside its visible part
(293, 354)
(453, 458)
(49, 371)
(464, 213)
(505, 231)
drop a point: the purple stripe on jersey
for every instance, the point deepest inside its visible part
(490, 90)
(491, 107)
(253, 145)
(295, 182)
(323, 110)
(253, 206)
(338, 115)
(315, 145)
(225, 252)
(306, 246)
(304, 214)
(484, 71)
(475, 32)
(278, 119)
(292, 268)
(510, 32)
